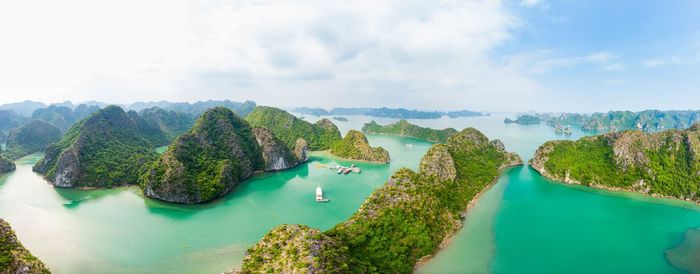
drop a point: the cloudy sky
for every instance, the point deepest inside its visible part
(514, 55)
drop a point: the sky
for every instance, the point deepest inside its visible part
(484, 55)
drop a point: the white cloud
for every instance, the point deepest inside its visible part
(403, 53)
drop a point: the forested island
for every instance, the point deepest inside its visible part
(401, 222)
(524, 120)
(664, 164)
(400, 113)
(355, 146)
(406, 129)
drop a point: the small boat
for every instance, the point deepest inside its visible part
(319, 195)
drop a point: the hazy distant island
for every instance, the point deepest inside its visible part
(664, 164)
(648, 120)
(31, 137)
(401, 222)
(406, 129)
(340, 118)
(524, 120)
(399, 113)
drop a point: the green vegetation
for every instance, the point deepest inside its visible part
(205, 163)
(31, 137)
(524, 120)
(408, 217)
(288, 128)
(297, 249)
(404, 128)
(14, 258)
(665, 163)
(160, 126)
(104, 150)
(171, 123)
(355, 146)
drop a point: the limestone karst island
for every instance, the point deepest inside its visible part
(428, 137)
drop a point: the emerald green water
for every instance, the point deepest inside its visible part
(523, 224)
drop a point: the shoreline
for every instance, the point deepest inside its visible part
(612, 189)
(328, 152)
(447, 241)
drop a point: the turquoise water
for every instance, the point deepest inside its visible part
(118, 230)
(523, 224)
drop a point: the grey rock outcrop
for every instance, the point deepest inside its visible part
(276, 154)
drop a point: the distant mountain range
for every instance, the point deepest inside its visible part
(647, 120)
(63, 115)
(399, 113)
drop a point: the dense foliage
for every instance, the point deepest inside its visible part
(297, 249)
(524, 120)
(205, 163)
(665, 163)
(14, 258)
(404, 128)
(288, 128)
(355, 146)
(399, 113)
(31, 137)
(104, 150)
(64, 117)
(412, 213)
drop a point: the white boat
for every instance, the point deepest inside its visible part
(319, 195)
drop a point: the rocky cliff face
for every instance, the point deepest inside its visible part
(659, 164)
(104, 150)
(6, 165)
(355, 146)
(438, 162)
(207, 162)
(276, 154)
(296, 249)
(14, 258)
(301, 148)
